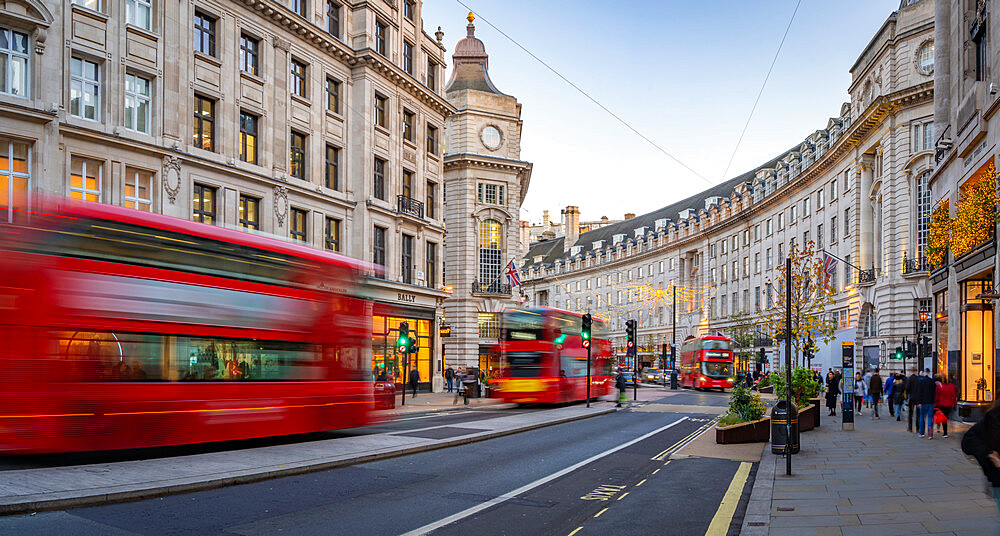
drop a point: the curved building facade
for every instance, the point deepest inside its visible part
(857, 188)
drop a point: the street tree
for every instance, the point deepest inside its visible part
(743, 332)
(812, 292)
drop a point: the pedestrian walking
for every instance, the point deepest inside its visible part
(887, 392)
(982, 442)
(926, 389)
(945, 399)
(899, 394)
(414, 380)
(875, 392)
(860, 389)
(832, 392)
(449, 377)
(867, 378)
(911, 397)
(621, 384)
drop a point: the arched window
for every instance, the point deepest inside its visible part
(923, 212)
(490, 233)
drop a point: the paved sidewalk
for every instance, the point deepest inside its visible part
(431, 402)
(878, 479)
(28, 490)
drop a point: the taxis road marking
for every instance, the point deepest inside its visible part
(532, 485)
(724, 516)
(602, 492)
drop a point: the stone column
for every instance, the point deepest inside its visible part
(866, 224)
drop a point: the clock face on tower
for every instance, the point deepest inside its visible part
(491, 137)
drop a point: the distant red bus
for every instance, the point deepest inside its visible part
(706, 363)
(545, 361)
(124, 329)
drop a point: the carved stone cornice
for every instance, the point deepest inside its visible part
(485, 162)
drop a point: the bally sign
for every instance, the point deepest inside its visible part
(409, 298)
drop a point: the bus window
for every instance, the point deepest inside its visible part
(525, 364)
(716, 345)
(717, 370)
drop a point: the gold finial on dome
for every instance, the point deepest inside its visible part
(471, 17)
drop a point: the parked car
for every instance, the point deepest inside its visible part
(651, 375)
(629, 377)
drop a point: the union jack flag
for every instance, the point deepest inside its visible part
(829, 264)
(511, 272)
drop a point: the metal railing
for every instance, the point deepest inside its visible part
(495, 287)
(915, 265)
(408, 205)
(867, 276)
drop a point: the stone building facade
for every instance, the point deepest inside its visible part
(316, 121)
(485, 181)
(857, 188)
(967, 98)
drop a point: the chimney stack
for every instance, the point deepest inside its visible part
(525, 238)
(629, 215)
(571, 226)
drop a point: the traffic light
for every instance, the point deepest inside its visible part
(585, 331)
(404, 342)
(630, 336)
(899, 353)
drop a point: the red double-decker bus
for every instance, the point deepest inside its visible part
(544, 358)
(706, 363)
(124, 329)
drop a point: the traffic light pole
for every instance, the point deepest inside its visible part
(788, 364)
(588, 376)
(402, 380)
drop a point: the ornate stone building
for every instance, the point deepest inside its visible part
(857, 188)
(318, 121)
(485, 182)
(967, 98)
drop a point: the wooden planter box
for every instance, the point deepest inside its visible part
(807, 417)
(819, 408)
(744, 432)
(767, 389)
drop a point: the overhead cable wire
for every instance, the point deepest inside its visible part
(587, 95)
(761, 92)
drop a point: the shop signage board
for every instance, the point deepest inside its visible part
(847, 371)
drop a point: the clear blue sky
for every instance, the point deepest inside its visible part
(684, 73)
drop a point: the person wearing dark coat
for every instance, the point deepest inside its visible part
(875, 392)
(621, 385)
(832, 392)
(982, 442)
(926, 390)
(414, 380)
(911, 398)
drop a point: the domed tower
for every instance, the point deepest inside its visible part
(485, 182)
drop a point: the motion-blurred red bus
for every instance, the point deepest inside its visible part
(545, 361)
(706, 363)
(124, 329)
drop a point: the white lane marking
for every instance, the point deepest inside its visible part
(528, 487)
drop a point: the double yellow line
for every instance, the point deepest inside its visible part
(690, 437)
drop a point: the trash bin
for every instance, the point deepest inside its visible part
(673, 379)
(779, 419)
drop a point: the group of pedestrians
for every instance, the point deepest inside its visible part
(929, 399)
(462, 382)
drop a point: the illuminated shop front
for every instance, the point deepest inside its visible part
(976, 365)
(385, 332)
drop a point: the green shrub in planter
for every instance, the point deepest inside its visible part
(804, 387)
(745, 404)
